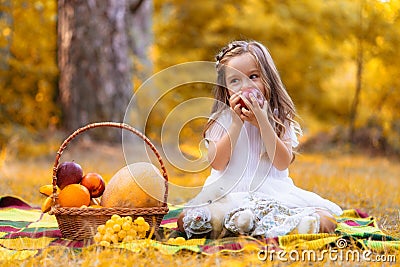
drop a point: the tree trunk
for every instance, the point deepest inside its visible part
(7, 18)
(95, 71)
(140, 36)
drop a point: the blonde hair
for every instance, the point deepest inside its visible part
(281, 107)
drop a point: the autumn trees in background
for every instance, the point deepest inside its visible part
(68, 63)
(28, 69)
(336, 58)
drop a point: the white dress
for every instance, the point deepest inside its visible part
(250, 170)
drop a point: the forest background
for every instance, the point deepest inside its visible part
(338, 61)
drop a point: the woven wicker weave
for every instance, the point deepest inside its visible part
(82, 223)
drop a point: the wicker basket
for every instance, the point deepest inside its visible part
(82, 223)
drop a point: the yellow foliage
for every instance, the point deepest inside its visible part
(314, 49)
(28, 67)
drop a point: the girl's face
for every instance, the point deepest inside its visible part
(242, 73)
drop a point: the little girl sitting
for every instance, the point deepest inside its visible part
(250, 144)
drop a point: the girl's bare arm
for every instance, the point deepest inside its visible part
(219, 153)
(278, 151)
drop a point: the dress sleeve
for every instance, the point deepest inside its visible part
(290, 135)
(218, 128)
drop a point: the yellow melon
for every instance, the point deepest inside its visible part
(138, 185)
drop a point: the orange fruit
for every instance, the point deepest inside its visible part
(74, 195)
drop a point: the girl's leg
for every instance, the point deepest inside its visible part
(327, 223)
(180, 222)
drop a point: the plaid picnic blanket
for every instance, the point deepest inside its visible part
(25, 231)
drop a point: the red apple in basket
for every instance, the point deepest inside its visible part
(94, 183)
(67, 173)
(256, 93)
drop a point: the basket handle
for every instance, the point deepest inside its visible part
(108, 124)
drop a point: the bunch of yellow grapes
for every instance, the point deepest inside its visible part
(121, 229)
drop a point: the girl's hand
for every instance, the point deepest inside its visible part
(235, 106)
(255, 114)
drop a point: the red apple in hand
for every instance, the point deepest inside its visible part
(94, 183)
(256, 93)
(68, 172)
